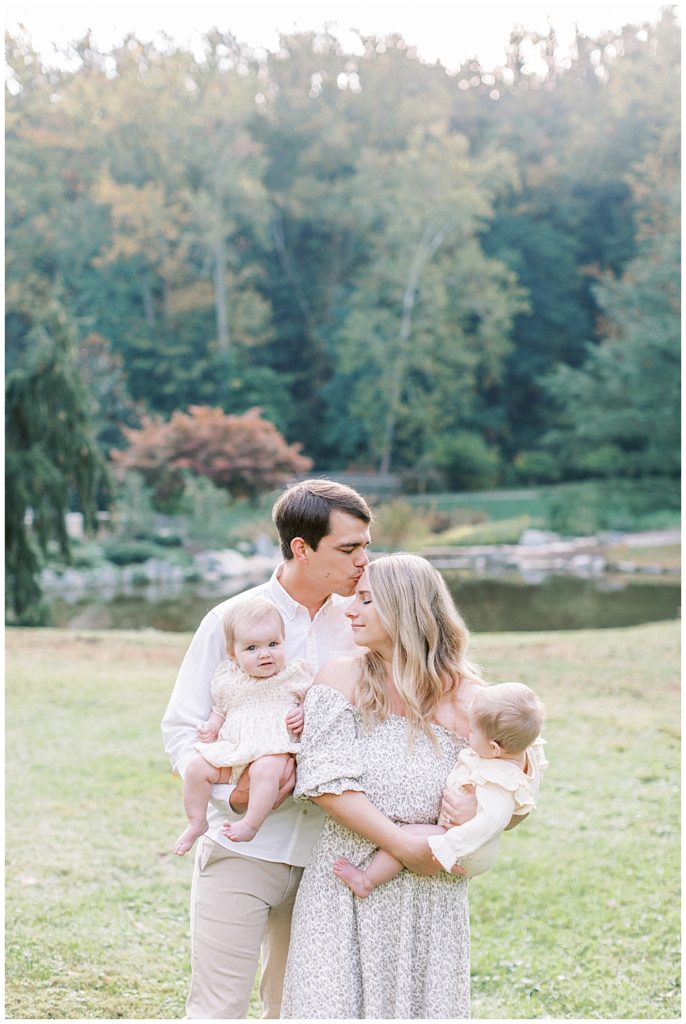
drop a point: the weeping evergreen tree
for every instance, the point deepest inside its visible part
(51, 458)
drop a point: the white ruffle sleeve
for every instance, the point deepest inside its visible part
(502, 790)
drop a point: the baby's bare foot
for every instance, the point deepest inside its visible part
(353, 877)
(239, 831)
(189, 835)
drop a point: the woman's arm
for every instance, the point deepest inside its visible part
(356, 812)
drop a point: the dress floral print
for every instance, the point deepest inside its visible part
(404, 951)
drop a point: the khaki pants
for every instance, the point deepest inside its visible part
(238, 904)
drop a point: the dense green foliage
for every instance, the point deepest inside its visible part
(51, 454)
(393, 262)
(579, 919)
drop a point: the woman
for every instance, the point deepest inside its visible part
(382, 731)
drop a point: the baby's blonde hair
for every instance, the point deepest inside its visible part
(509, 713)
(247, 613)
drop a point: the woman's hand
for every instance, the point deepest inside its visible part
(420, 859)
(416, 855)
(457, 807)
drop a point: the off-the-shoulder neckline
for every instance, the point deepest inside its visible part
(391, 714)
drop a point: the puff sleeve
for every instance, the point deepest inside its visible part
(329, 760)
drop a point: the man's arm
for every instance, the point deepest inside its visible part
(238, 795)
(190, 703)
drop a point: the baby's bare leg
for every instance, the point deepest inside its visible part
(197, 784)
(382, 867)
(265, 774)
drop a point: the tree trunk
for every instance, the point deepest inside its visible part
(427, 248)
(148, 306)
(220, 295)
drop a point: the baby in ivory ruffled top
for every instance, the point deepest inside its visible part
(503, 764)
(255, 721)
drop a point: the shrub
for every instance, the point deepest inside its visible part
(244, 455)
(135, 512)
(466, 460)
(129, 552)
(536, 467)
(502, 531)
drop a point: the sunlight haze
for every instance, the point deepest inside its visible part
(440, 29)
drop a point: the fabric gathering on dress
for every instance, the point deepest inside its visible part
(255, 711)
(404, 951)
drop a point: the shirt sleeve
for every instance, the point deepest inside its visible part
(191, 702)
(494, 810)
(329, 760)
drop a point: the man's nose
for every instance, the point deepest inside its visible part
(362, 558)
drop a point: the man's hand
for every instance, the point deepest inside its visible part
(238, 800)
(295, 720)
(457, 806)
(206, 734)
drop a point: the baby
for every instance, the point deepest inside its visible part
(503, 763)
(255, 716)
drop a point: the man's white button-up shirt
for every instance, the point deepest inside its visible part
(289, 832)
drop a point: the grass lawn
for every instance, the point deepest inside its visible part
(579, 919)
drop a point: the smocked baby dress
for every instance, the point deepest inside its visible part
(502, 789)
(254, 710)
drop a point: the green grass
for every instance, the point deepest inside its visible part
(579, 918)
(570, 508)
(500, 504)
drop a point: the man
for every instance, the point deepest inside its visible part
(242, 894)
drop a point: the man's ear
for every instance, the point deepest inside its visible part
(299, 547)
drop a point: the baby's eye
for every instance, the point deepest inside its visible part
(273, 643)
(250, 647)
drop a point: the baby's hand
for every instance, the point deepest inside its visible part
(206, 734)
(295, 720)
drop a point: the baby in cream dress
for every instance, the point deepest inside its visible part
(255, 721)
(503, 763)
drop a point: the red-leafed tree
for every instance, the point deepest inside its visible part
(246, 454)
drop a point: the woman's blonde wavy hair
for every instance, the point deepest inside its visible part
(430, 642)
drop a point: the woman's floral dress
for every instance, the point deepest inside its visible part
(404, 951)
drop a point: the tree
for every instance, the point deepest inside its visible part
(246, 455)
(52, 456)
(620, 411)
(428, 317)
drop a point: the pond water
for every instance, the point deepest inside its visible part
(505, 603)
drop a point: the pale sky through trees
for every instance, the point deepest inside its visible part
(447, 30)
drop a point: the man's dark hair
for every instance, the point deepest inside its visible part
(304, 510)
